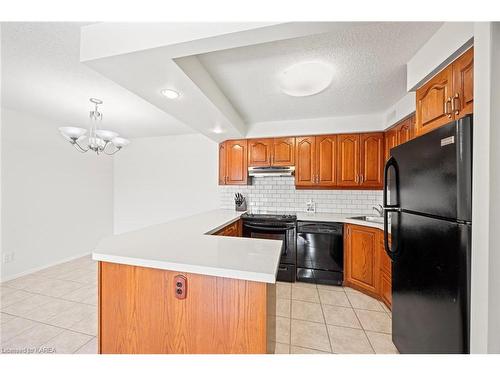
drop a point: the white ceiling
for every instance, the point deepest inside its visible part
(226, 73)
(42, 74)
(369, 60)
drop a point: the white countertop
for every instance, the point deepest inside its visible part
(185, 245)
(338, 218)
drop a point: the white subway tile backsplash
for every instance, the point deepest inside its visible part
(279, 194)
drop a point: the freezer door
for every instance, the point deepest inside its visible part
(430, 284)
(434, 172)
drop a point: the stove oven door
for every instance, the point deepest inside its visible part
(285, 232)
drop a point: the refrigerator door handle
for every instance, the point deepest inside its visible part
(390, 250)
(390, 207)
(391, 163)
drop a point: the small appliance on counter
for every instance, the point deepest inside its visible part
(240, 202)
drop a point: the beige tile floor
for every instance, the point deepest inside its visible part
(326, 319)
(51, 311)
(54, 311)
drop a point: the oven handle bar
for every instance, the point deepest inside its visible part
(272, 229)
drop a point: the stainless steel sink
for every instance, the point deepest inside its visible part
(374, 219)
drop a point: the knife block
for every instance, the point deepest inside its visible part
(242, 206)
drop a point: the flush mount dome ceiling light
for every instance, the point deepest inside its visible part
(306, 78)
(170, 94)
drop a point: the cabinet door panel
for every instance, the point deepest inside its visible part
(283, 152)
(259, 152)
(406, 130)
(361, 258)
(326, 160)
(432, 109)
(222, 163)
(463, 84)
(391, 140)
(372, 159)
(348, 160)
(386, 289)
(305, 161)
(237, 170)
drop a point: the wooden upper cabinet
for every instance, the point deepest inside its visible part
(283, 152)
(433, 107)
(268, 152)
(259, 152)
(463, 84)
(222, 163)
(406, 131)
(237, 162)
(448, 96)
(361, 258)
(391, 140)
(372, 160)
(400, 133)
(326, 160)
(305, 161)
(348, 160)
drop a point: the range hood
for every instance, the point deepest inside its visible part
(271, 171)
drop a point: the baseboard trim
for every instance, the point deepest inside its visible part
(36, 269)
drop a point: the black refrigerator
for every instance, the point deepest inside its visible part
(428, 202)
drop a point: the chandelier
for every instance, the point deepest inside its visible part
(98, 140)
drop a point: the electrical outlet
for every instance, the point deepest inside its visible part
(8, 257)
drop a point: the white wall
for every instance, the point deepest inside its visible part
(327, 125)
(162, 178)
(56, 202)
(400, 110)
(444, 46)
(278, 194)
(485, 278)
(494, 254)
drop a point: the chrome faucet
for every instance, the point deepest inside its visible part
(379, 209)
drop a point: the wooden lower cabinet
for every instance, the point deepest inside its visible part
(386, 289)
(232, 230)
(361, 258)
(140, 314)
(367, 267)
(385, 274)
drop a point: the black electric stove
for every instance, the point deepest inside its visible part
(278, 216)
(276, 226)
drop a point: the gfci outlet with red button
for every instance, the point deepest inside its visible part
(180, 283)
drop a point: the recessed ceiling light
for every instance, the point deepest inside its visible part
(218, 130)
(306, 78)
(170, 94)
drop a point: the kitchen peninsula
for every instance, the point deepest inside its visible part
(175, 288)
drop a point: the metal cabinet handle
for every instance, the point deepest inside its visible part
(455, 109)
(446, 112)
